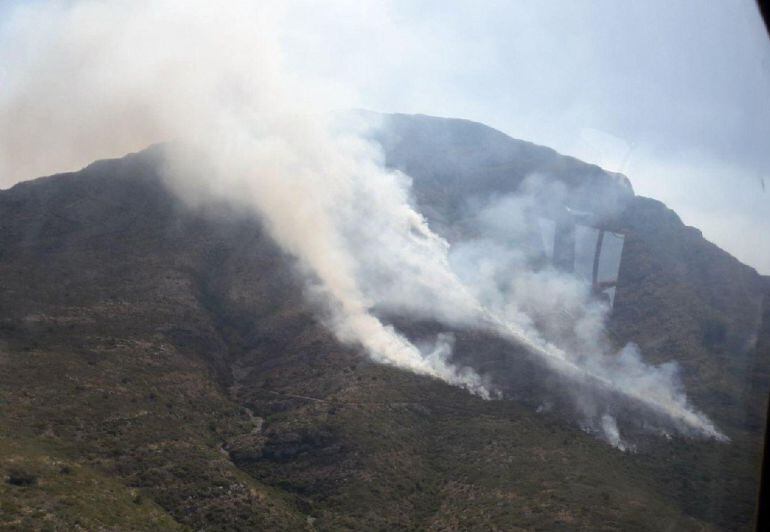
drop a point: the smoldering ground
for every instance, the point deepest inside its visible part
(498, 253)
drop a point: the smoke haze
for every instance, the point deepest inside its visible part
(90, 79)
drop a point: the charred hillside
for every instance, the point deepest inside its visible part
(160, 367)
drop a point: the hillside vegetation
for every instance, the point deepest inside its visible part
(160, 369)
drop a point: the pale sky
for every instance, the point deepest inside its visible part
(675, 94)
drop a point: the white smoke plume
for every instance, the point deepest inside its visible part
(88, 79)
(555, 314)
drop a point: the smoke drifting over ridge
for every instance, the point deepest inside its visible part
(90, 79)
(109, 78)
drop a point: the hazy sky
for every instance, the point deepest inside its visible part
(675, 94)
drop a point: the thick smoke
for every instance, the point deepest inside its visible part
(89, 79)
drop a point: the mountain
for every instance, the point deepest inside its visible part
(160, 368)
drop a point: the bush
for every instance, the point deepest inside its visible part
(21, 478)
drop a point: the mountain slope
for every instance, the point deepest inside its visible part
(168, 354)
(679, 297)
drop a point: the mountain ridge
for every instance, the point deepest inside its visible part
(170, 353)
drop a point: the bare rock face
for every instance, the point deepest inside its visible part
(167, 358)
